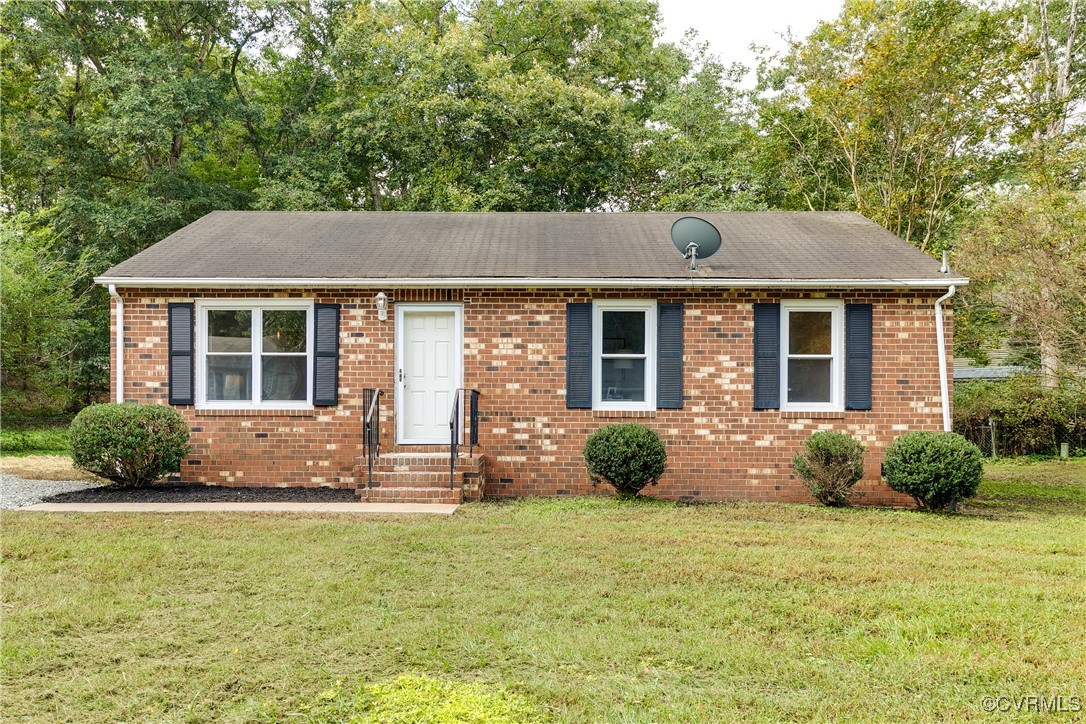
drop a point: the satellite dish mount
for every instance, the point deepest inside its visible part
(694, 238)
(692, 255)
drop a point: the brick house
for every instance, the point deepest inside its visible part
(352, 349)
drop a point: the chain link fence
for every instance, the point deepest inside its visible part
(997, 440)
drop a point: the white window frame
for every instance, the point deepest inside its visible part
(837, 353)
(257, 307)
(623, 305)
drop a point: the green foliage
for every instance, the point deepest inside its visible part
(472, 125)
(1026, 253)
(891, 110)
(17, 441)
(831, 464)
(699, 152)
(128, 443)
(628, 456)
(418, 698)
(1030, 419)
(40, 319)
(122, 120)
(938, 469)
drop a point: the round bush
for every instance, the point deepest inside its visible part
(628, 456)
(937, 469)
(830, 464)
(128, 443)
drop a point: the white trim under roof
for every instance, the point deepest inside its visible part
(525, 283)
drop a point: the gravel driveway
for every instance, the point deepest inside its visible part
(16, 492)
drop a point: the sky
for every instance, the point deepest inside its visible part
(730, 26)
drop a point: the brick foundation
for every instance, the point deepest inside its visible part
(719, 447)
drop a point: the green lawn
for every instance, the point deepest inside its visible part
(584, 609)
(34, 441)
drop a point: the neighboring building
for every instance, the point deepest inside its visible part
(999, 356)
(269, 332)
(988, 373)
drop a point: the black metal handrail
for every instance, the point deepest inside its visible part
(371, 429)
(456, 422)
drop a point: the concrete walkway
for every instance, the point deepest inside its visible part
(365, 508)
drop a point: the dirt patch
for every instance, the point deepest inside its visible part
(45, 467)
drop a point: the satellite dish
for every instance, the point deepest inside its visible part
(694, 238)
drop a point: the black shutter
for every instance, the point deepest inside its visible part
(579, 355)
(669, 356)
(326, 354)
(857, 356)
(179, 344)
(767, 352)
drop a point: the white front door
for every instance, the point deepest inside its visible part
(428, 371)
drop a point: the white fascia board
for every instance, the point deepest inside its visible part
(527, 283)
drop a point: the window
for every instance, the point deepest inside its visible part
(624, 355)
(254, 354)
(812, 359)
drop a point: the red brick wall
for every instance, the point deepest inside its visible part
(718, 446)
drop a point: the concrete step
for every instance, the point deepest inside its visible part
(419, 494)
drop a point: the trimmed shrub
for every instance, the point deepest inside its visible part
(627, 456)
(938, 469)
(128, 443)
(830, 464)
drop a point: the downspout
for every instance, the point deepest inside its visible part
(944, 385)
(120, 341)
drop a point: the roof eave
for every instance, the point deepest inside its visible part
(523, 282)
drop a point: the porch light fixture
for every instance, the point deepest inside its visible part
(381, 301)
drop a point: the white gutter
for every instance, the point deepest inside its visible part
(120, 341)
(523, 283)
(940, 335)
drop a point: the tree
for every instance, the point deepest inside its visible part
(1026, 253)
(1051, 87)
(121, 119)
(40, 319)
(1026, 285)
(121, 123)
(439, 113)
(697, 150)
(892, 110)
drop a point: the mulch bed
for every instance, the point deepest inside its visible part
(170, 493)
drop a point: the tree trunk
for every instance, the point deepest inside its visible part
(175, 149)
(1049, 350)
(375, 192)
(1048, 338)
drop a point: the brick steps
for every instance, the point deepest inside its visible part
(435, 462)
(411, 495)
(415, 478)
(421, 477)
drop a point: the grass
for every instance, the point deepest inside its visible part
(38, 452)
(1019, 486)
(585, 609)
(44, 467)
(19, 441)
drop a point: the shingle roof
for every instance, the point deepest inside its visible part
(239, 245)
